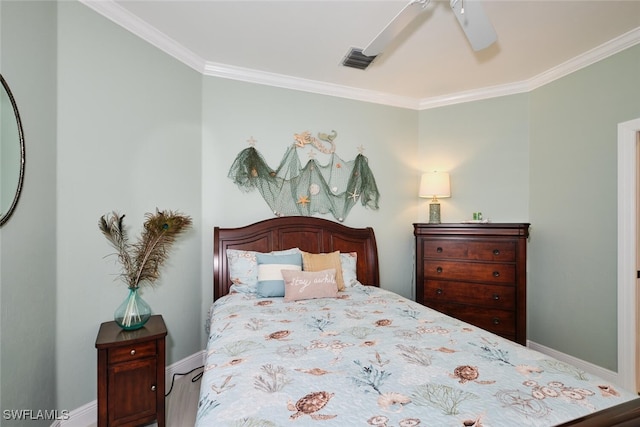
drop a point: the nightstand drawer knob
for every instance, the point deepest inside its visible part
(496, 297)
(133, 352)
(438, 269)
(496, 251)
(153, 388)
(439, 291)
(439, 250)
(496, 321)
(496, 274)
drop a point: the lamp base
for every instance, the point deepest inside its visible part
(434, 213)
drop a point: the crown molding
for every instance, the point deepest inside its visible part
(122, 17)
(596, 54)
(605, 50)
(473, 95)
(116, 13)
(313, 86)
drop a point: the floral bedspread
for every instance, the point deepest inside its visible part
(374, 358)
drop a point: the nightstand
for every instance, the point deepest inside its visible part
(476, 273)
(131, 367)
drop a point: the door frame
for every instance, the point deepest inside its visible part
(627, 240)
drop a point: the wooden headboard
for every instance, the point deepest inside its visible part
(310, 234)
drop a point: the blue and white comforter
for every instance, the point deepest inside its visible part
(374, 358)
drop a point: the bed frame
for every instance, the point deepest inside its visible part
(310, 234)
(317, 235)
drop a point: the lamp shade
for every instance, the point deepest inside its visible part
(435, 184)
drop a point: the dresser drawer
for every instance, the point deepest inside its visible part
(470, 271)
(132, 352)
(490, 296)
(477, 250)
(501, 322)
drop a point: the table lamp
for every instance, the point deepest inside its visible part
(434, 185)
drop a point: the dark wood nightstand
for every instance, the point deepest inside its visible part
(131, 367)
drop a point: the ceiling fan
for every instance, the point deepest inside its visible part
(470, 15)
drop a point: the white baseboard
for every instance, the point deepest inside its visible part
(87, 415)
(605, 374)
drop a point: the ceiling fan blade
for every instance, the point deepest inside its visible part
(393, 28)
(474, 23)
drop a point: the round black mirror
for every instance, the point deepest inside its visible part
(11, 153)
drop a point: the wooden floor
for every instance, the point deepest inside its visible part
(182, 401)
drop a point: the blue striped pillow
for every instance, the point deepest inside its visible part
(270, 280)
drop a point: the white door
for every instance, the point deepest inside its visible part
(628, 254)
(637, 290)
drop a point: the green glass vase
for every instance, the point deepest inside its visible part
(133, 313)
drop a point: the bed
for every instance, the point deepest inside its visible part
(364, 356)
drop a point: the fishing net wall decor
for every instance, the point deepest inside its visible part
(293, 189)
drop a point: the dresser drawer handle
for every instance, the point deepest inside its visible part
(438, 269)
(133, 352)
(439, 250)
(496, 251)
(496, 274)
(439, 291)
(496, 297)
(153, 388)
(496, 321)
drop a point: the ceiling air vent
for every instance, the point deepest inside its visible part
(355, 59)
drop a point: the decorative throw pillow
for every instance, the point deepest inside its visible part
(270, 281)
(348, 261)
(299, 285)
(243, 268)
(324, 261)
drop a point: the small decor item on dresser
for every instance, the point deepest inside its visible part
(141, 261)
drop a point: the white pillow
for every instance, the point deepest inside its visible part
(243, 268)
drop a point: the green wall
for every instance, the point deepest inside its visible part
(129, 139)
(573, 206)
(485, 147)
(28, 240)
(111, 123)
(235, 111)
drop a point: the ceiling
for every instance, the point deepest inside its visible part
(300, 44)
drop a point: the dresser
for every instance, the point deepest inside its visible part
(476, 273)
(131, 369)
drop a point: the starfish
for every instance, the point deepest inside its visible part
(314, 371)
(252, 141)
(354, 195)
(303, 200)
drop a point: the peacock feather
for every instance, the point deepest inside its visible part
(141, 261)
